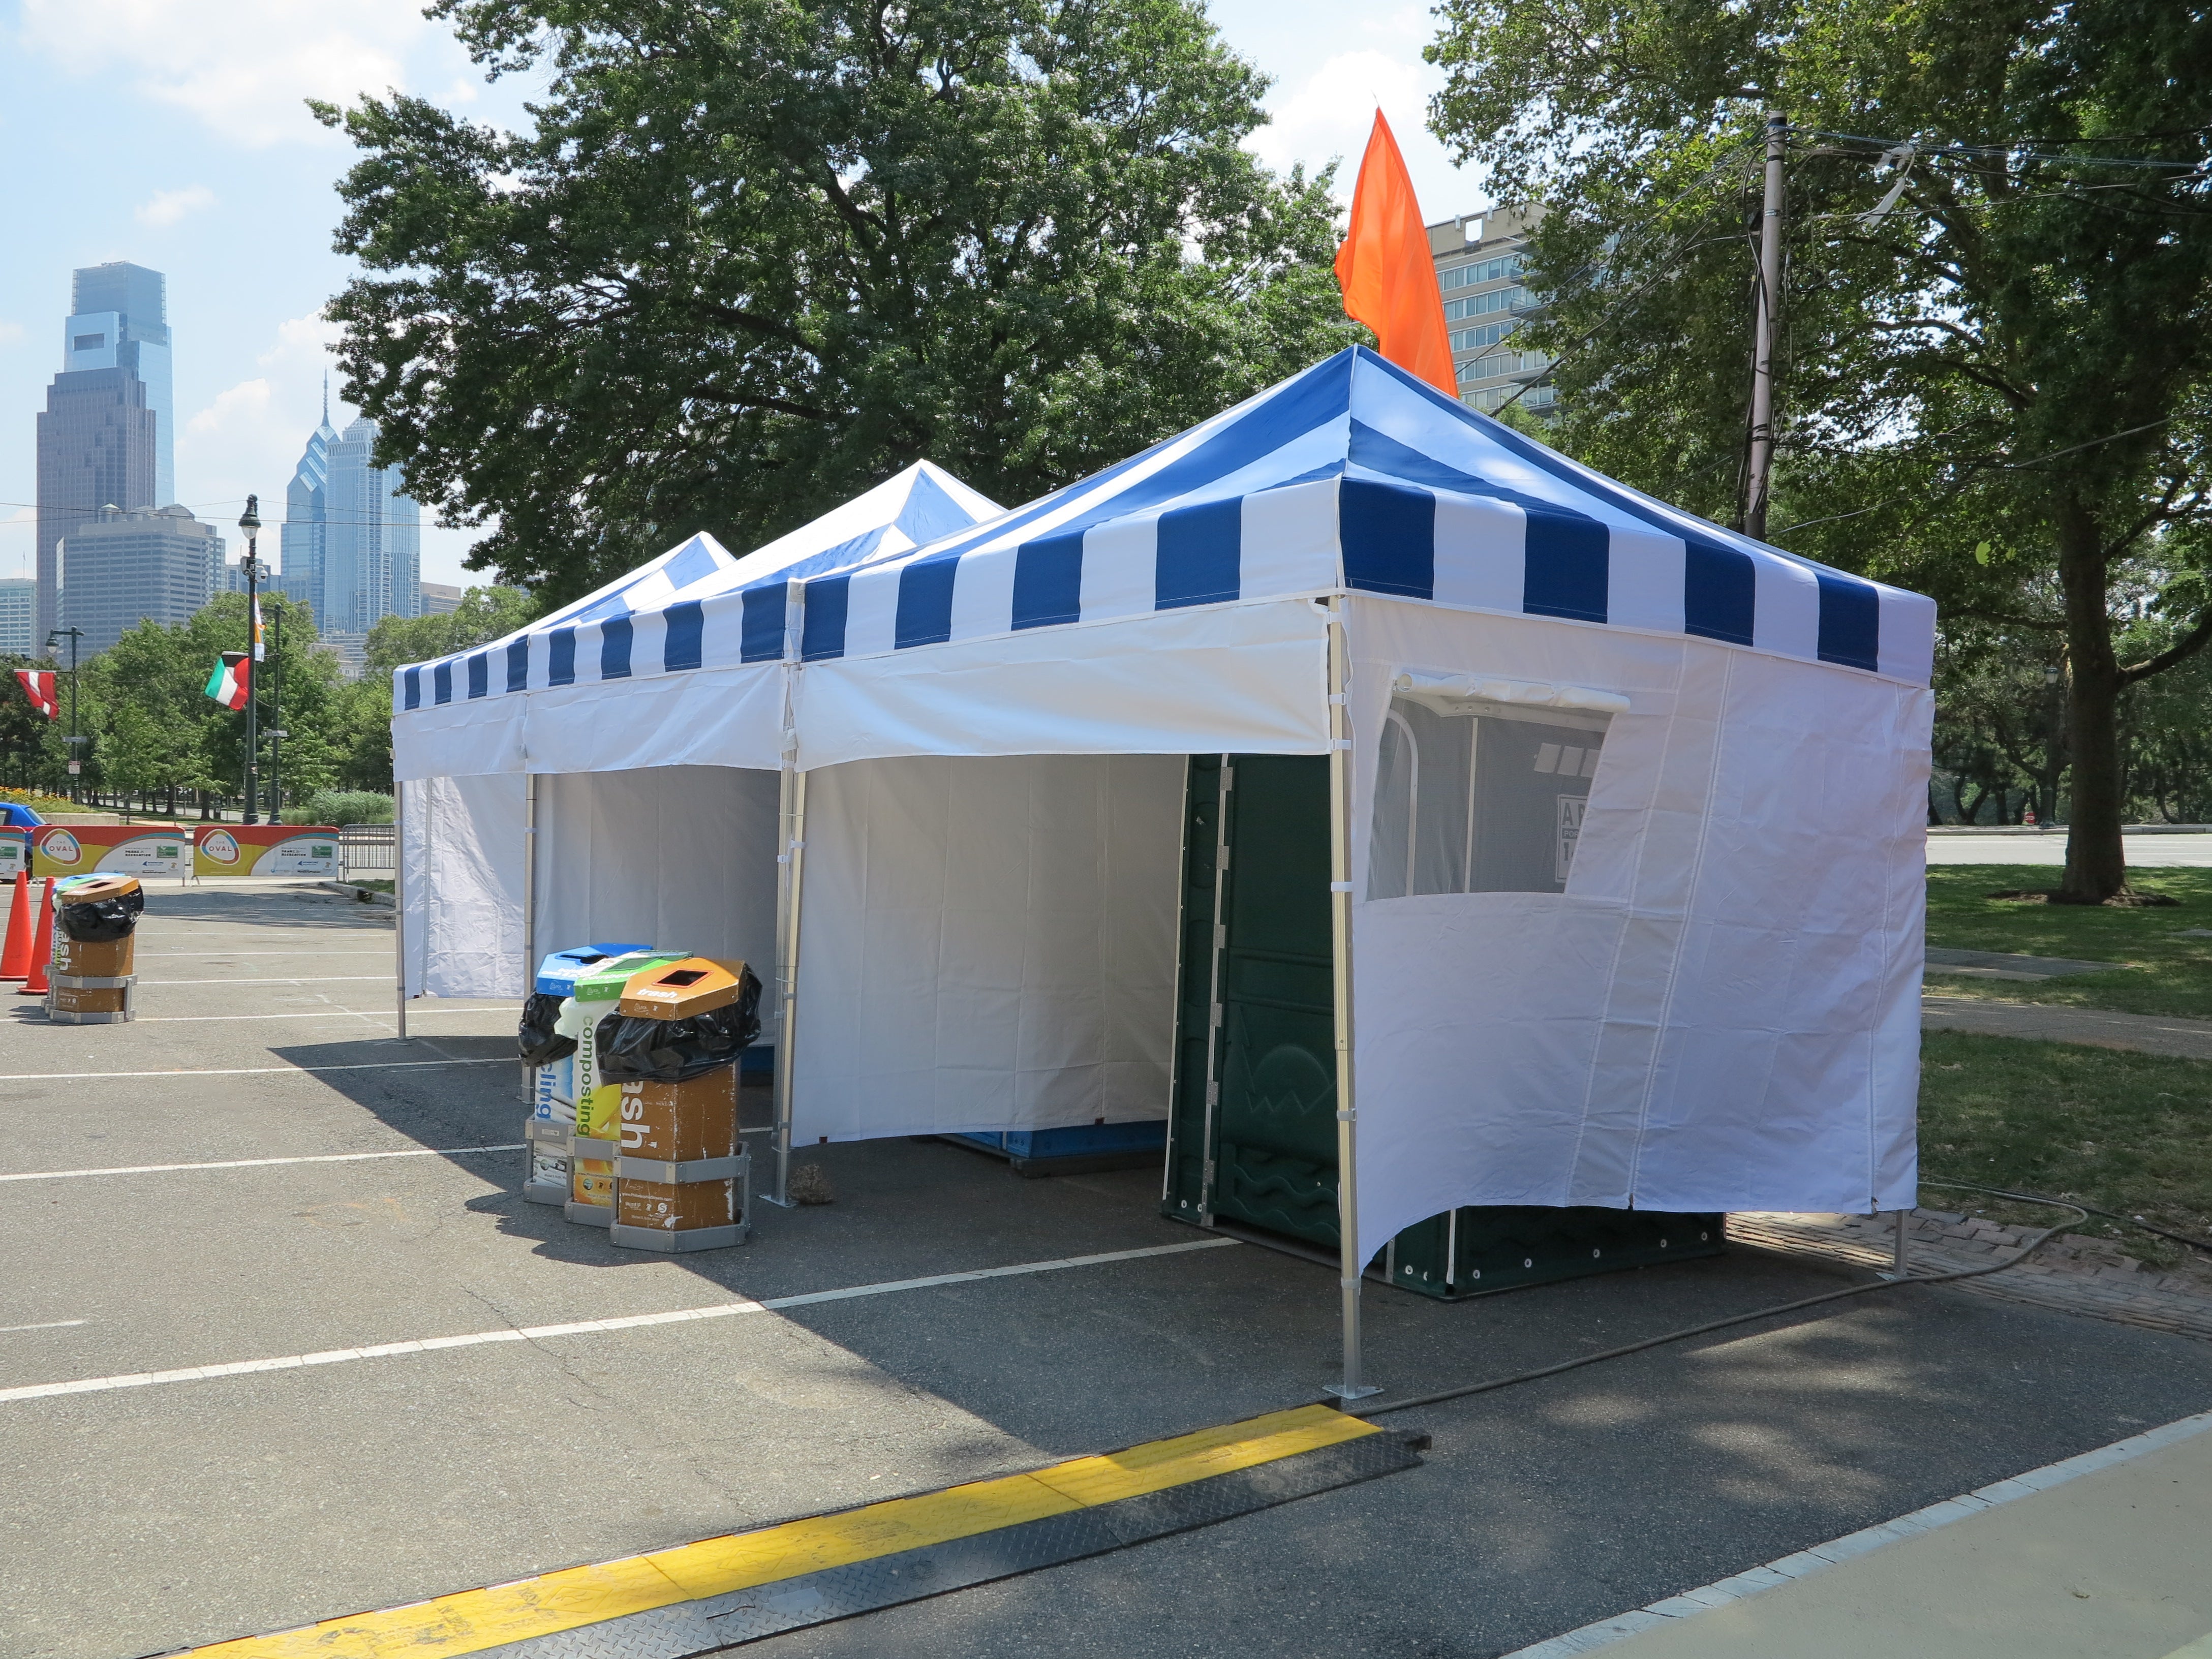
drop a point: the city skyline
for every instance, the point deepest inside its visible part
(207, 166)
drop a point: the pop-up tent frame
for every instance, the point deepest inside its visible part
(1719, 1009)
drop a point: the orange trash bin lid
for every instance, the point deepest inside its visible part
(678, 990)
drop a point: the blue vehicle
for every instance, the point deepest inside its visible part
(12, 817)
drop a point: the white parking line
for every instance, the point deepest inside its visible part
(50, 1325)
(258, 1162)
(326, 1013)
(385, 952)
(583, 1326)
(246, 1070)
(318, 979)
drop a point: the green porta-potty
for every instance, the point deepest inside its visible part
(1252, 1141)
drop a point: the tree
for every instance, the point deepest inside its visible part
(31, 749)
(361, 735)
(484, 615)
(758, 255)
(1998, 385)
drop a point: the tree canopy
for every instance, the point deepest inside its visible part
(1995, 364)
(758, 255)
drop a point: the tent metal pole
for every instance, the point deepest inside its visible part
(1352, 1385)
(529, 899)
(791, 877)
(791, 869)
(399, 901)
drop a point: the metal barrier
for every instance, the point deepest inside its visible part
(367, 848)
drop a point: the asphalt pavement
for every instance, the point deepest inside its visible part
(151, 1512)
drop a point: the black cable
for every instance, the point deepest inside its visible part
(2134, 1221)
(1354, 1409)
(2007, 152)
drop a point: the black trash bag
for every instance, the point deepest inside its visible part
(104, 919)
(540, 1044)
(629, 1049)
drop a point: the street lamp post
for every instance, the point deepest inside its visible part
(249, 526)
(73, 635)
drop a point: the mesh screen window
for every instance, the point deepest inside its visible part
(1473, 796)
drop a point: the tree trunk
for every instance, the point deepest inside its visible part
(2096, 862)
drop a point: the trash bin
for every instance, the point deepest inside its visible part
(682, 1180)
(551, 1058)
(91, 975)
(596, 1141)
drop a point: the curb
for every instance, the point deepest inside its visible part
(366, 895)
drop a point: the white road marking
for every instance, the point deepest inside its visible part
(332, 1012)
(50, 1325)
(319, 979)
(1820, 1557)
(258, 1162)
(246, 1070)
(385, 952)
(582, 1326)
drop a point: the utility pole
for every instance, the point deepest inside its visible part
(1768, 305)
(73, 635)
(249, 526)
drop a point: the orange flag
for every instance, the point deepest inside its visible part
(1385, 272)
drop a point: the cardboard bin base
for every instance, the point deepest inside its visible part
(694, 1239)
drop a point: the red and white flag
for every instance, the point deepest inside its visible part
(38, 687)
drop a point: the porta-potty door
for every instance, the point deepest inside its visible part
(1255, 1124)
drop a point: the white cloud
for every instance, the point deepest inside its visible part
(168, 206)
(241, 66)
(250, 436)
(1328, 113)
(10, 333)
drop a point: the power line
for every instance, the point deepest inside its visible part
(2010, 152)
(2007, 466)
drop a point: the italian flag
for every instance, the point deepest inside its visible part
(227, 684)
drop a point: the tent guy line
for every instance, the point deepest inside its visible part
(585, 1326)
(260, 1163)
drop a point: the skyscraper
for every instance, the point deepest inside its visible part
(126, 566)
(119, 319)
(352, 540)
(304, 536)
(19, 609)
(108, 433)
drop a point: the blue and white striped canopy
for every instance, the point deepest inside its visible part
(684, 610)
(1354, 474)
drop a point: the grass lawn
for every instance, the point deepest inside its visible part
(374, 884)
(2166, 972)
(2126, 1132)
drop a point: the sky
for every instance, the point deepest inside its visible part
(172, 134)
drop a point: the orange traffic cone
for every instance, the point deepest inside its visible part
(15, 955)
(42, 946)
